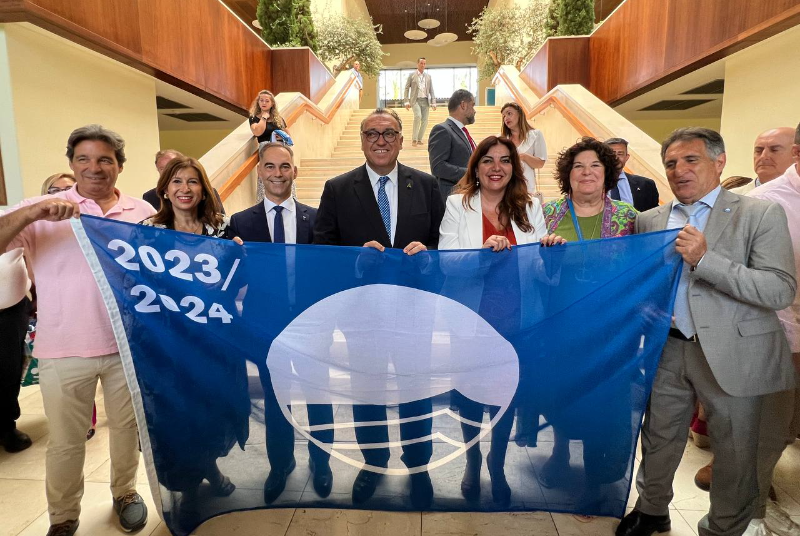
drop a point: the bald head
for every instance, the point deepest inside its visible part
(772, 153)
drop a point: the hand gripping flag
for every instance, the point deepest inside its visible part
(272, 375)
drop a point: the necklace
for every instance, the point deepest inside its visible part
(594, 228)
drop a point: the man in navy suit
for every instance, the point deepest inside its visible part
(639, 191)
(281, 219)
(384, 204)
(450, 144)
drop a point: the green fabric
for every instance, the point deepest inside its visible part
(590, 227)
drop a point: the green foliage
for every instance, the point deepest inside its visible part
(287, 23)
(551, 26)
(508, 35)
(343, 40)
(575, 17)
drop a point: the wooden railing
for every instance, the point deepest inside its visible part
(298, 106)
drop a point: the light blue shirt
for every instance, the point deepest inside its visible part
(677, 219)
(624, 187)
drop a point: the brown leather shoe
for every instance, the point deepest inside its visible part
(703, 477)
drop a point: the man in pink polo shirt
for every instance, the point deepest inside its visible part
(75, 343)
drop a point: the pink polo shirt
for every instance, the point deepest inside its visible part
(72, 318)
(785, 190)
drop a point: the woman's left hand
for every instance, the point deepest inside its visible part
(238, 240)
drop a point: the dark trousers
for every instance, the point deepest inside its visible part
(501, 432)
(414, 454)
(13, 327)
(280, 433)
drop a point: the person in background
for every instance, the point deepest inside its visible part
(265, 120)
(60, 182)
(450, 144)
(772, 155)
(491, 208)
(419, 98)
(357, 72)
(529, 141)
(635, 190)
(73, 355)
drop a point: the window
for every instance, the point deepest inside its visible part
(446, 80)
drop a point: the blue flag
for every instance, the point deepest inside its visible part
(274, 375)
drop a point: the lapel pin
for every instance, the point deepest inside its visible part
(305, 217)
(408, 185)
(727, 210)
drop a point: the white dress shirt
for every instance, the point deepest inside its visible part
(289, 219)
(391, 194)
(422, 88)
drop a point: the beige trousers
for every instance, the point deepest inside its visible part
(68, 387)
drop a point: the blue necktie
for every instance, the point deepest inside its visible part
(383, 204)
(280, 235)
(682, 313)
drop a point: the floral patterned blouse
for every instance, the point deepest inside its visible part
(222, 231)
(618, 217)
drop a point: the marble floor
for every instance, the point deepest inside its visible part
(23, 509)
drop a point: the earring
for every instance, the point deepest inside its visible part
(166, 196)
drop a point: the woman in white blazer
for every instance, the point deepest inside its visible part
(491, 208)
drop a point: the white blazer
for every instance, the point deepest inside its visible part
(463, 228)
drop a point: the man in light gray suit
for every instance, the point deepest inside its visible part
(419, 98)
(726, 347)
(451, 144)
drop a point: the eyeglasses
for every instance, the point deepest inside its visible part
(373, 135)
(56, 189)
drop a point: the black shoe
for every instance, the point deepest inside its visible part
(364, 485)
(276, 481)
(67, 528)
(323, 478)
(638, 524)
(471, 482)
(15, 441)
(421, 490)
(501, 491)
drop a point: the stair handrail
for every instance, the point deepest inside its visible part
(293, 106)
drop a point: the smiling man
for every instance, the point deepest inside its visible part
(282, 219)
(726, 347)
(384, 204)
(75, 343)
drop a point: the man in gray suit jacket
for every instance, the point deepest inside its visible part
(419, 98)
(726, 347)
(451, 144)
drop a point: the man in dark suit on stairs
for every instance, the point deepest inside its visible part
(281, 219)
(384, 204)
(639, 191)
(450, 144)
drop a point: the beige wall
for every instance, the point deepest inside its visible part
(49, 87)
(458, 53)
(194, 143)
(659, 129)
(761, 87)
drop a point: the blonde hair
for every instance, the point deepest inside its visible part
(274, 115)
(522, 122)
(52, 179)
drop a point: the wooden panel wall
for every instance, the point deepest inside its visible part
(646, 43)
(561, 60)
(199, 46)
(297, 69)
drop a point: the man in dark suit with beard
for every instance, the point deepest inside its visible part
(384, 204)
(281, 219)
(639, 191)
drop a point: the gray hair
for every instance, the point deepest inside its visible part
(797, 135)
(715, 145)
(459, 96)
(269, 145)
(96, 133)
(384, 111)
(617, 141)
